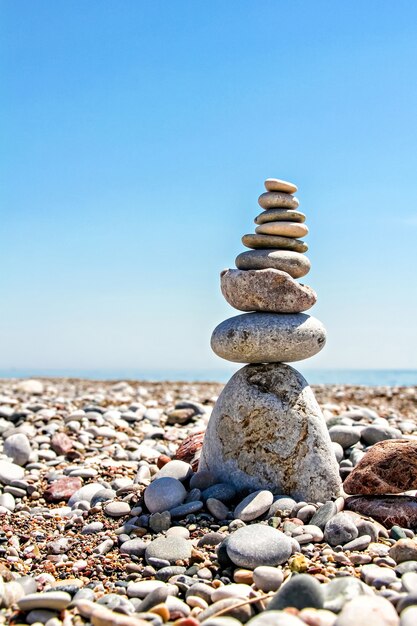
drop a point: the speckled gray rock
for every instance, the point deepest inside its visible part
(267, 290)
(277, 200)
(257, 544)
(17, 447)
(267, 432)
(294, 263)
(268, 338)
(255, 241)
(340, 529)
(164, 494)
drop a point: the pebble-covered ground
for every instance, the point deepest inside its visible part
(100, 526)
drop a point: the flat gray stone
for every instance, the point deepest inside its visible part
(294, 263)
(257, 544)
(268, 338)
(340, 590)
(267, 431)
(164, 494)
(268, 290)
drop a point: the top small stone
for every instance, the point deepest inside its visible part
(275, 184)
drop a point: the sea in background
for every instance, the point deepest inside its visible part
(368, 377)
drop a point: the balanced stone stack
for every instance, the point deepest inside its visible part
(267, 430)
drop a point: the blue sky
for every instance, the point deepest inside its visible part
(137, 137)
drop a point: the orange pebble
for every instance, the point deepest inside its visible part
(162, 460)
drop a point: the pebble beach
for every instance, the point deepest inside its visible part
(105, 518)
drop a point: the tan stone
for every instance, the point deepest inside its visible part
(294, 263)
(267, 431)
(267, 290)
(276, 184)
(277, 199)
(276, 215)
(284, 229)
(257, 241)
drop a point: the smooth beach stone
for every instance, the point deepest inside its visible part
(409, 616)
(324, 514)
(275, 618)
(389, 467)
(255, 545)
(404, 550)
(259, 437)
(276, 215)
(254, 505)
(340, 529)
(256, 241)
(302, 591)
(294, 263)
(170, 549)
(284, 229)
(340, 590)
(57, 600)
(268, 338)
(268, 290)
(277, 200)
(268, 578)
(10, 472)
(17, 447)
(276, 184)
(366, 611)
(164, 494)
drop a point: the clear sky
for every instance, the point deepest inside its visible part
(136, 138)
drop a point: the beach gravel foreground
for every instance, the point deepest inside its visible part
(89, 537)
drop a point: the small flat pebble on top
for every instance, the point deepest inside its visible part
(276, 184)
(256, 545)
(254, 505)
(164, 494)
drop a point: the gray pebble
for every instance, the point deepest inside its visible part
(254, 505)
(164, 494)
(340, 530)
(301, 591)
(169, 548)
(256, 545)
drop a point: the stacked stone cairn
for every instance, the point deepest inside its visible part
(267, 430)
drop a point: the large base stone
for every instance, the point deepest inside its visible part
(267, 431)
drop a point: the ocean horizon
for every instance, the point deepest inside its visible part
(367, 377)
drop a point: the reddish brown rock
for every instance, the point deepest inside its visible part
(388, 511)
(389, 467)
(190, 450)
(62, 489)
(61, 443)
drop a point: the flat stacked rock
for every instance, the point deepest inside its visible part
(267, 430)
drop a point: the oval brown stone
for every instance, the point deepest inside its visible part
(294, 263)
